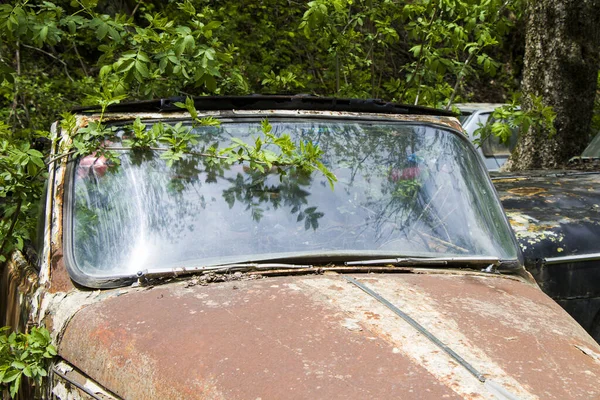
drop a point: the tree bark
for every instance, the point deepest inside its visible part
(561, 64)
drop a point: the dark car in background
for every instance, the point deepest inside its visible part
(190, 279)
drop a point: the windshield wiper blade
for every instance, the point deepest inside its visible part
(221, 268)
(431, 261)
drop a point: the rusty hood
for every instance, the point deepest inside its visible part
(321, 336)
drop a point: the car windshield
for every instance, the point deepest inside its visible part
(403, 189)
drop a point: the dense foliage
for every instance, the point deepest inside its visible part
(23, 355)
(55, 55)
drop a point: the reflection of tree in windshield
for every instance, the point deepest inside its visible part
(254, 188)
(402, 190)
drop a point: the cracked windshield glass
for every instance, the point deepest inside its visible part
(402, 190)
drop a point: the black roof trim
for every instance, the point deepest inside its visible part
(271, 102)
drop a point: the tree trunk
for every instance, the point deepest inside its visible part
(561, 64)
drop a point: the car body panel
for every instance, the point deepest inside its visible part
(318, 336)
(18, 282)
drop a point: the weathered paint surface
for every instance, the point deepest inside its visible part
(553, 214)
(18, 281)
(308, 337)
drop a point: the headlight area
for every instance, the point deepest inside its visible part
(67, 382)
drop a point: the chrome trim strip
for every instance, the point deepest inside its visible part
(578, 258)
(418, 327)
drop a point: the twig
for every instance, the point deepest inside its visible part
(337, 72)
(58, 157)
(135, 8)
(80, 60)
(193, 153)
(429, 204)
(54, 57)
(459, 79)
(13, 110)
(445, 243)
(461, 75)
(422, 57)
(418, 66)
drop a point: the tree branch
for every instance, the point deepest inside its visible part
(54, 57)
(459, 79)
(80, 60)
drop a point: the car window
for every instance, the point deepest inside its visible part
(464, 116)
(593, 149)
(403, 189)
(492, 147)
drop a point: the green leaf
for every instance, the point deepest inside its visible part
(189, 43)
(101, 31)
(105, 70)
(27, 371)
(141, 69)
(212, 25)
(142, 56)
(11, 376)
(43, 33)
(17, 364)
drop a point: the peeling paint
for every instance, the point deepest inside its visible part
(412, 344)
(527, 191)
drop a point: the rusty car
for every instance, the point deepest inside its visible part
(192, 280)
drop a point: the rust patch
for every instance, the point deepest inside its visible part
(61, 281)
(333, 287)
(527, 191)
(84, 120)
(18, 281)
(507, 180)
(372, 315)
(267, 339)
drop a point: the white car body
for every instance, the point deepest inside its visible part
(493, 153)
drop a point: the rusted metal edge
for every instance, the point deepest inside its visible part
(418, 327)
(80, 381)
(432, 260)
(498, 177)
(566, 259)
(394, 269)
(179, 271)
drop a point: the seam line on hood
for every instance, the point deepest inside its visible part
(418, 327)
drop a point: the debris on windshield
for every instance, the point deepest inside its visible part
(205, 279)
